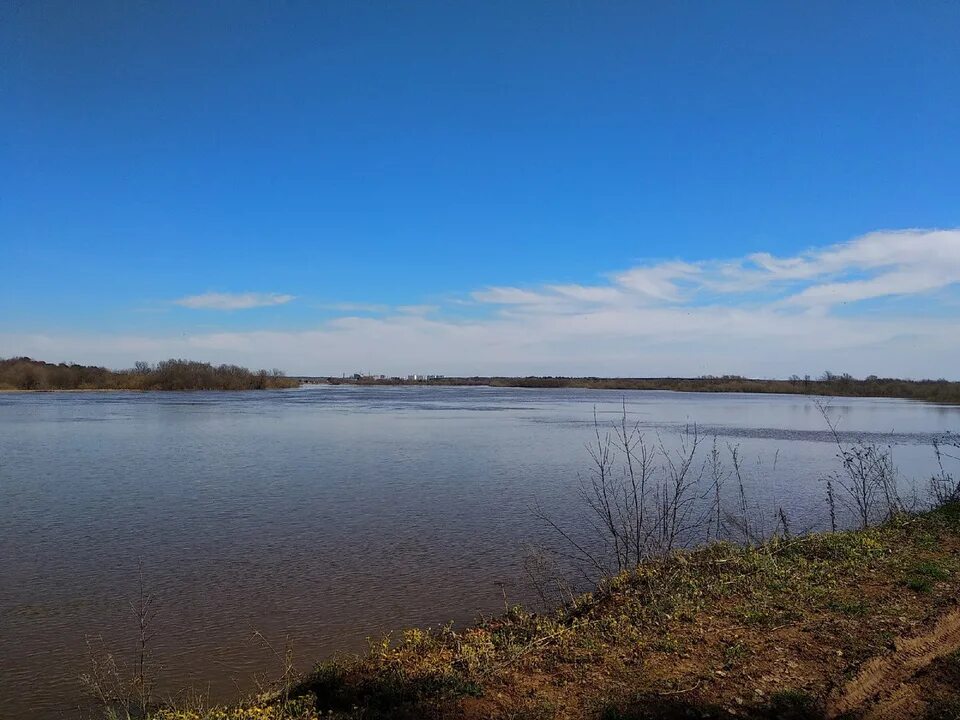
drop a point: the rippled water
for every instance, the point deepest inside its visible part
(324, 515)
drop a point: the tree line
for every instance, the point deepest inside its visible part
(23, 373)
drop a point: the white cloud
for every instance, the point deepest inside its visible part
(586, 293)
(232, 301)
(759, 315)
(879, 264)
(509, 296)
(897, 263)
(349, 307)
(417, 309)
(659, 282)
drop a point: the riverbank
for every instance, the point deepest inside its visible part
(829, 385)
(855, 624)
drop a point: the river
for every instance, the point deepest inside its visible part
(314, 518)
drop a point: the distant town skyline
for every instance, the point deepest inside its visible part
(492, 189)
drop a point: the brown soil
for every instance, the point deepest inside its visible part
(885, 688)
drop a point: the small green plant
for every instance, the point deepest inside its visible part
(734, 655)
(666, 644)
(756, 616)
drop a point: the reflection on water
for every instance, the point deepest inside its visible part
(325, 515)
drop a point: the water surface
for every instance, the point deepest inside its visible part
(325, 515)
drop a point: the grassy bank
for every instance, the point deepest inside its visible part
(829, 384)
(831, 625)
(34, 375)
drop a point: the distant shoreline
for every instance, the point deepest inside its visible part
(25, 374)
(142, 391)
(939, 391)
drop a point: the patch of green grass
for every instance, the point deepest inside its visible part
(919, 584)
(948, 513)
(922, 577)
(932, 571)
(927, 540)
(854, 608)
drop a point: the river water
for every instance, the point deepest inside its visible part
(318, 517)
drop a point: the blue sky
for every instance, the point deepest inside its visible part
(326, 187)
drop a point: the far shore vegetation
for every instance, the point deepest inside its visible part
(25, 374)
(827, 384)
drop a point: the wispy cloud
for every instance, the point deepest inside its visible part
(660, 282)
(507, 296)
(417, 309)
(877, 265)
(357, 307)
(232, 301)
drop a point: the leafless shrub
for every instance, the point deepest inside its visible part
(867, 479)
(678, 491)
(831, 503)
(783, 524)
(740, 520)
(718, 476)
(546, 579)
(287, 676)
(125, 689)
(642, 499)
(639, 465)
(645, 499)
(944, 487)
(617, 494)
